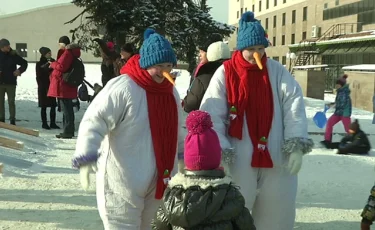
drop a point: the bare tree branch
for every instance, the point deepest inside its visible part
(76, 17)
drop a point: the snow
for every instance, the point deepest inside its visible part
(309, 66)
(363, 67)
(344, 39)
(39, 190)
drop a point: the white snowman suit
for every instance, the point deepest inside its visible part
(273, 208)
(269, 192)
(117, 123)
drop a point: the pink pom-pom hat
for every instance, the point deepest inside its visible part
(202, 146)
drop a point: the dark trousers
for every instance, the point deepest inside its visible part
(10, 91)
(52, 115)
(68, 116)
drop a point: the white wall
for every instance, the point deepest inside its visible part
(41, 27)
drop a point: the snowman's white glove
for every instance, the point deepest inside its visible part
(84, 172)
(295, 162)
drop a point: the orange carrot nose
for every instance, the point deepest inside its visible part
(257, 60)
(169, 77)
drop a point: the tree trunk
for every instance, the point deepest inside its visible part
(191, 56)
(203, 5)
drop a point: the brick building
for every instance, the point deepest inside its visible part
(332, 32)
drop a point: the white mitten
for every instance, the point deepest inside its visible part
(84, 172)
(295, 162)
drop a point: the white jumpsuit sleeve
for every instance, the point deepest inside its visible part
(294, 115)
(215, 103)
(104, 113)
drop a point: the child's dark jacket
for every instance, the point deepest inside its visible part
(357, 143)
(203, 200)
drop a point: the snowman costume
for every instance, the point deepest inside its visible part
(131, 132)
(264, 159)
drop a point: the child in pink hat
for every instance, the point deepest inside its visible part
(202, 196)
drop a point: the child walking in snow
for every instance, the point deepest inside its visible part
(343, 109)
(203, 196)
(132, 130)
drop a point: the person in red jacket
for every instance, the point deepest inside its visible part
(63, 42)
(62, 90)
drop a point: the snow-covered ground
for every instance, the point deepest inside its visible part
(39, 190)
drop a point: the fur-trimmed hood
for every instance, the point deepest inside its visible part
(187, 181)
(75, 48)
(72, 46)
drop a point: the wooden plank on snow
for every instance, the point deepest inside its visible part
(19, 129)
(11, 144)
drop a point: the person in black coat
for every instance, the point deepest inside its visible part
(9, 73)
(42, 77)
(355, 142)
(109, 57)
(217, 53)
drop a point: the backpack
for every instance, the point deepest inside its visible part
(76, 74)
(83, 93)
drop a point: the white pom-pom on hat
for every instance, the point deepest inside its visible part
(217, 51)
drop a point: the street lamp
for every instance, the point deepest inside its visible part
(291, 57)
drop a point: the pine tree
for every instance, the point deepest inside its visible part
(184, 22)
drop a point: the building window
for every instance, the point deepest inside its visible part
(283, 40)
(274, 41)
(363, 9)
(337, 2)
(275, 3)
(260, 6)
(238, 14)
(304, 17)
(245, 9)
(276, 58)
(266, 24)
(253, 7)
(241, 11)
(21, 49)
(284, 1)
(267, 4)
(274, 21)
(284, 19)
(293, 16)
(237, 30)
(293, 39)
(283, 60)
(304, 35)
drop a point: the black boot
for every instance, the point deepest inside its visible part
(43, 115)
(53, 118)
(64, 136)
(13, 122)
(326, 144)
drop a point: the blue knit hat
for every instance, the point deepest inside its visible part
(250, 32)
(155, 50)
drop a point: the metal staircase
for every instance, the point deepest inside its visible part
(307, 50)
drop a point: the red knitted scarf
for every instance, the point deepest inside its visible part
(249, 91)
(163, 117)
